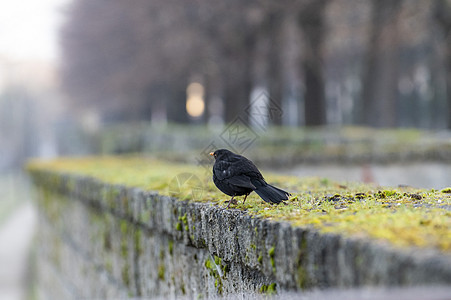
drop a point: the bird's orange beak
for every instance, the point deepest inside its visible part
(212, 153)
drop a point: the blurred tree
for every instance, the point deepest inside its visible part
(133, 61)
(127, 60)
(311, 20)
(273, 29)
(381, 69)
(231, 29)
(93, 40)
(443, 17)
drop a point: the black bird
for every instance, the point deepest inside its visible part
(235, 175)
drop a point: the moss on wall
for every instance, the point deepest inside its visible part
(401, 216)
(146, 243)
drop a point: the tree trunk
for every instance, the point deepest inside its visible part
(275, 73)
(176, 102)
(380, 81)
(311, 20)
(443, 17)
(238, 84)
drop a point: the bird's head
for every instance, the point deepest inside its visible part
(221, 153)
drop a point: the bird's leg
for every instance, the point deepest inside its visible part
(230, 201)
(245, 196)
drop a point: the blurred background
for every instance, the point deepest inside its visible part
(345, 89)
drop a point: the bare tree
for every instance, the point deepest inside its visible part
(443, 17)
(132, 61)
(128, 60)
(381, 69)
(274, 28)
(231, 30)
(311, 21)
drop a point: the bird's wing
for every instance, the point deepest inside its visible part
(245, 166)
(222, 170)
(228, 170)
(241, 181)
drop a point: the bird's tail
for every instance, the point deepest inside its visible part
(272, 194)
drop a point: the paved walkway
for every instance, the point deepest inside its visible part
(16, 235)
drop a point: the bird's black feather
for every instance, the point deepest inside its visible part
(236, 175)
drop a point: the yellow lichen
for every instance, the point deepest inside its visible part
(401, 216)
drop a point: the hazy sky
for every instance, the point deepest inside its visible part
(29, 28)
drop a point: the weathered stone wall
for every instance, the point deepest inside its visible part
(107, 241)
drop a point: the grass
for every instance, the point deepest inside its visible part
(403, 217)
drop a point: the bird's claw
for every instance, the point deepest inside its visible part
(233, 201)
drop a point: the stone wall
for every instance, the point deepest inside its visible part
(98, 240)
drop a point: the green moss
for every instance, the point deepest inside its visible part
(137, 240)
(178, 226)
(260, 258)
(272, 288)
(126, 275)
(302, 277)
(219, 286)
(387, 194)
(111, 195)
(123, 225)
(161, 272)
(304, 244)
(391, 215)
(184, 219)
(124, 237)
(325, 181)
(171, 247)
(125, 204)
(271, 253)
(211, 266)
(124, 249)
(268, 289)
(225, 269)
(208, 264)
